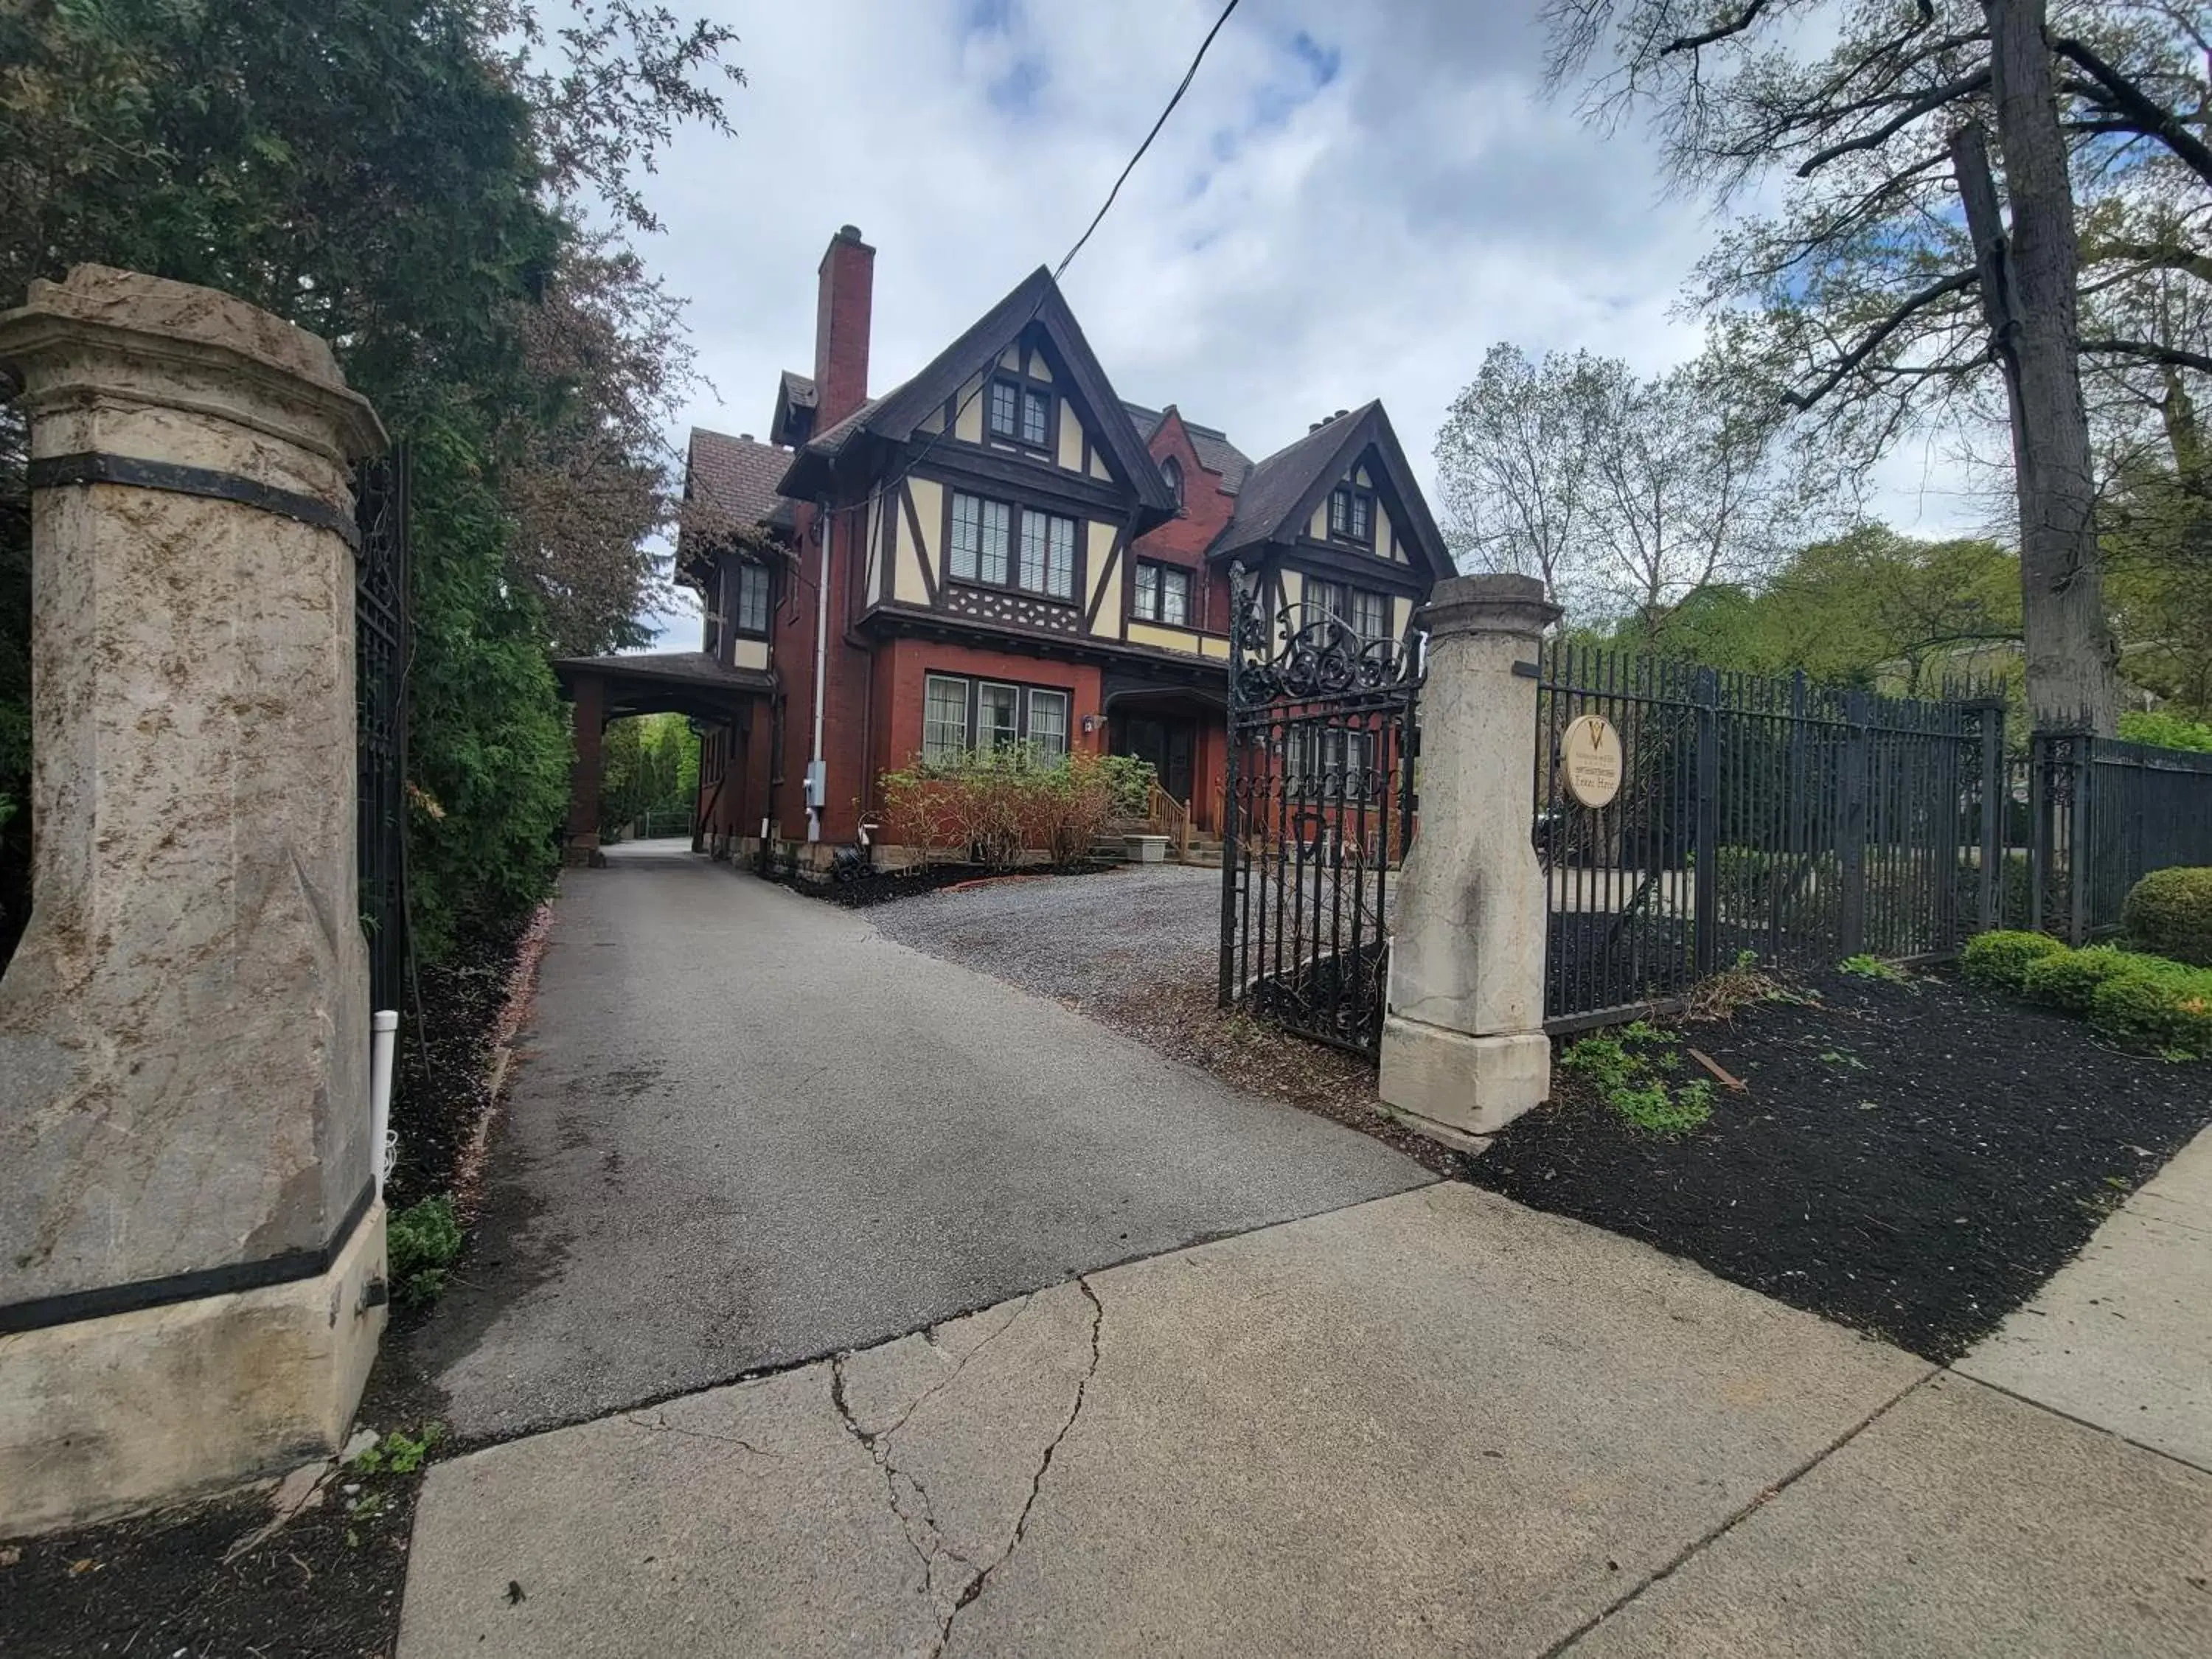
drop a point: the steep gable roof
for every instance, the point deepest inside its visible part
(796, 401)
(1036, 300)
(1282, 491)
(730, 483)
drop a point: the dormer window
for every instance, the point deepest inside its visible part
(1171, 475)
(1020, 414)
(1351, 514)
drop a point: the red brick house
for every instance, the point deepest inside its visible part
(1000, 549)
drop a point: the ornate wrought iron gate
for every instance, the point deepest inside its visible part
(1318, 810)
(381, 650)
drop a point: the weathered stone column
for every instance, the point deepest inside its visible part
(1464, 1051)
(188, 1229)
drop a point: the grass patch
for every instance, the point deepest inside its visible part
(1869, 967)
(1634, 1072)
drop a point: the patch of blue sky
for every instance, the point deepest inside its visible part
(1015, 93)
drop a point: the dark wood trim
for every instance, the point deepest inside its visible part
(920, 546)
(908, 620)
(995, 470)
(1334, 562)
(1113, 563)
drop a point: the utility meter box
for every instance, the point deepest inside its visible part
(817, 782)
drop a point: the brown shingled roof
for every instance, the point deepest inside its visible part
(730, 483)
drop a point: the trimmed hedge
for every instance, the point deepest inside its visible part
(2068, 979)
(2170, 912)
(2145, 1001)
(2002, 958)
(2162, 1005)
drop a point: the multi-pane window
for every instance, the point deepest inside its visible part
(1326, 600)
(1021, 413)
(1048, 722)
(1371, 614)
(1049, 554)
(1163, 593)
(980, 531)
(1351, 514)
(943, 718)
(1339, 760)
(998, 716)
(982, 534)
(750, 610)
(1171, 476)
(960, 715)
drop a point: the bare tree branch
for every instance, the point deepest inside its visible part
(2149, 351)
(2119, 93)
(1926, 104)
(1719, 32)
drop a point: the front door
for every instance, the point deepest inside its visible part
(1167, 742)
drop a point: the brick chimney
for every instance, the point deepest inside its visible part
(841, 327)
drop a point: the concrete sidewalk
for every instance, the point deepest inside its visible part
(2122, 1336)
(1432, 1424)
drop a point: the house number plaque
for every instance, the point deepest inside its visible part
(1590, 756)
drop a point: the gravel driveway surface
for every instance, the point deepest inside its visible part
(1080, 938)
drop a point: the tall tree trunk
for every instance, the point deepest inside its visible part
(2072, 659)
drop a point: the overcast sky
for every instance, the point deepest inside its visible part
(1352, 201)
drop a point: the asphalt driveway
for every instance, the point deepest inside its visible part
(748, 1129)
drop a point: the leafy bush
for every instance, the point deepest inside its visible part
(995, 805)
(2166, 730)
(1866, 966)
(398, 1452)
(420, 1244)
(2170, 912)
(2002, 958)
(2069, 979)
(2158, 1004)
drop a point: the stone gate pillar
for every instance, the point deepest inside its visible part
(1464, 1051)
(190, 1254)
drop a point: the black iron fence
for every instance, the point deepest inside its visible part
(1806, 824)
(1320, 806)
(2083, 818)
(1801, 824)
(380, 648)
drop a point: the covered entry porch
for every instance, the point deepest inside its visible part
(1181, 731)
(604, 689)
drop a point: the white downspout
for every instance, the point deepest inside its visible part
(817, 781)
(384, 1028)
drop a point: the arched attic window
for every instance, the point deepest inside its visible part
(1171, 471)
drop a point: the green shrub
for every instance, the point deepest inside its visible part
(995, 805)
(2157, 1004)
(2166, 730)
(2069, 979)
(420, 1243)
(2170, 912)
(2002, 958)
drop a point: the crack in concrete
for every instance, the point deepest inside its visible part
(975, 1585)
(878, 1445)
(662, 1426)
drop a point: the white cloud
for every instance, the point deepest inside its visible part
(1352, 202)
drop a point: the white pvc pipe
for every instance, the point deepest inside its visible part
(822, 524)
(384, 1031)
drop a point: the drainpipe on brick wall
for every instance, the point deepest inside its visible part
(817, 788)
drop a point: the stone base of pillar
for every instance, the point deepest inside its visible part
(583, 854)
(107, 1416)
(1469, 1085)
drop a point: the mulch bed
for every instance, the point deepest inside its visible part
(1912, 1160)
(857, 887)
(327, 1583)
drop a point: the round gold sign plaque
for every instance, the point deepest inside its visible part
(1590, 759)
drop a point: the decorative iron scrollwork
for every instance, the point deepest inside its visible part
(1303, 655)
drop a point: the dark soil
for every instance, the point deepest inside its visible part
(327, 1584)
(858, 886)
(442, 1088)
(1183, 1023)
(1913, 1160)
